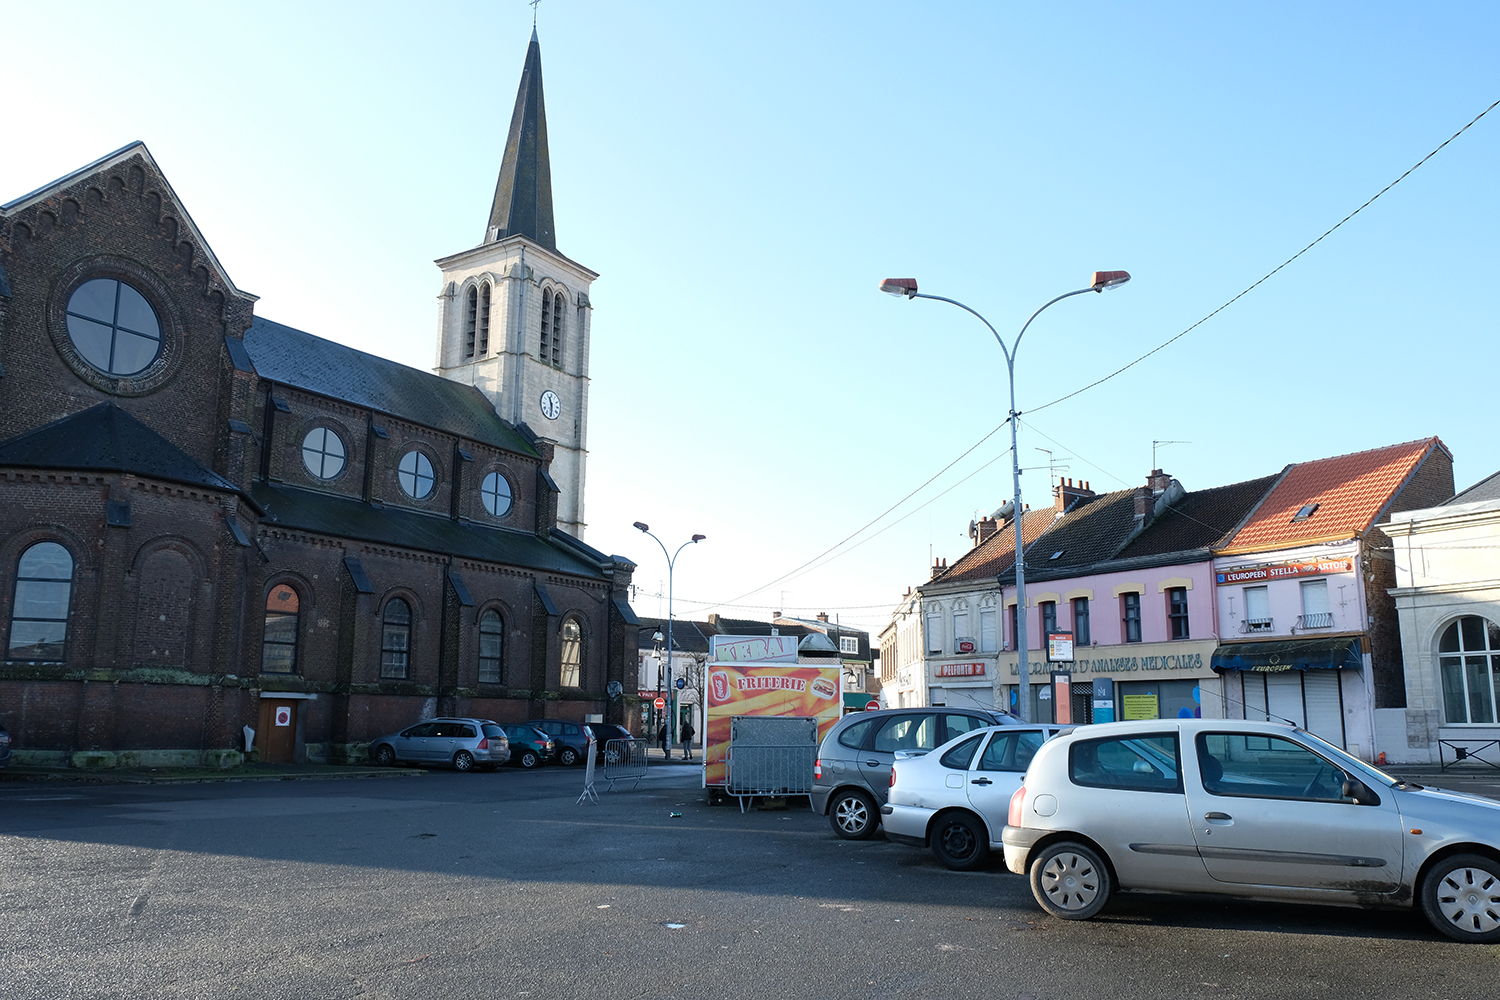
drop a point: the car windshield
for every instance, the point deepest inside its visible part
(1358, 765)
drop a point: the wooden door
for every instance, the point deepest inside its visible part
(278, 730)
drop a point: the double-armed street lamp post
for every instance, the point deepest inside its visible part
(907, 288)
(671, 691)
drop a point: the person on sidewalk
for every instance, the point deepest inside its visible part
(662, 738)
(686, 731)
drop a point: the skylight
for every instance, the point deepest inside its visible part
(1305, 513)
(1056, 554)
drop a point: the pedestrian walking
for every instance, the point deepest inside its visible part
(663, 737)
(687, 739)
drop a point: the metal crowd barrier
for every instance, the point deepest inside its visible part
(769, 770)
(1467, 750)
(624, 760)
(588, 772)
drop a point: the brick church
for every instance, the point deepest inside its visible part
(211, 521)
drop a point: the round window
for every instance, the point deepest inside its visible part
(415, 472)
(113, 327)
(323, 453)
(496, 493)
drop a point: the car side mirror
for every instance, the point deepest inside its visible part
(1361, 793)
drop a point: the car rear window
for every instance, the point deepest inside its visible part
(570, 729)
(853, 736)
(960, 756)
(493, 731)
(1147, 762)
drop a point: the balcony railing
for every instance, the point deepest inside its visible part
(1255, 625)
(1321, 620)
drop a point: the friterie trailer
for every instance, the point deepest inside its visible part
(739, 688)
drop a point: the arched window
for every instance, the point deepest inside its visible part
(491, 646)
(484, 320)
(544, 348)
(278, 648)
(1469, 661)
(471, 322)
(39, 613)
(557, 330)
(395, 640)
(572, 653)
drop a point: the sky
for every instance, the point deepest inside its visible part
(743, 176)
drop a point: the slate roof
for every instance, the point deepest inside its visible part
(105, 438)
(997, 554)
(295, 358)
(1351, 491)
(1202, 519)
(1089, 533)
(687, 636)
(1486, 489)
(346, 517)
(523, 192)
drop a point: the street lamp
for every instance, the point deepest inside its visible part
(907, 288)
(671, 564)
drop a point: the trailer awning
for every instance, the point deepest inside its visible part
(1331, 653)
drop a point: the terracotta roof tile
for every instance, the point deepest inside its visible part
(1350, 491)
(996, 554)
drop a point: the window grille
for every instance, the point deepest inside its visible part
(544, 349)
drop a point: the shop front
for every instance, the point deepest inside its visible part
(1160, 680)
(967, 683)
(1317, 684)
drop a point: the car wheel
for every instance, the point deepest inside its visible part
(1070, 881)
(852, 814)
(528, 759)
(959, 842)
(1461, 898)
(568, 757)
(463, 761)
(385, 755)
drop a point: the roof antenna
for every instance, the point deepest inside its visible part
(1154, 444)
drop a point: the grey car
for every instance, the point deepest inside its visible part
(1252, 809)
(462, 743)
(853, 770)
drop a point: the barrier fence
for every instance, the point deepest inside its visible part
(624, 760)
(589, 753)
(769, 771)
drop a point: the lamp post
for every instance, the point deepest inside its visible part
(671, 564)
(907, 288)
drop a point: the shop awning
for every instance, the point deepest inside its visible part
(1331, 653)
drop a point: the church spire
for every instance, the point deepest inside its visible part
(523, 194)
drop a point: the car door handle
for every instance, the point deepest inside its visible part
(1216, 815)
(872, 763)
(981, 781)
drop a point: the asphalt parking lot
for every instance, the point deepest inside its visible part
(502, 885)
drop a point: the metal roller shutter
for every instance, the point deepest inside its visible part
(1255, 695)
(1284, 696)
(1325, 714)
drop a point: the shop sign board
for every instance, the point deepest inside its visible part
(1282, 571)
(959, 670)
(965, 645)
(774, 648)
(1060, 647)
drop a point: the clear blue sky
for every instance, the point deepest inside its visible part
(742, 176)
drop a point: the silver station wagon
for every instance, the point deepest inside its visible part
(1252, 809)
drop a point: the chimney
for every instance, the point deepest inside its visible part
(823, 617)
(985, 529)
(1065, 493)
(1158, 481)
(1144, 501)
(939, 567)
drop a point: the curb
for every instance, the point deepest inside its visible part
(72, 776)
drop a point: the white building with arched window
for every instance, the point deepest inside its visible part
(1448, 600)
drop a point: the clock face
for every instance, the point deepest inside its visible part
(551, 405)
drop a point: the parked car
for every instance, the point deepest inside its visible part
(4, 747)
(853, 771)
(463, 743)
(529, 746)
(1247, 809)
(954, 800)
(570, 738)
(603, 733)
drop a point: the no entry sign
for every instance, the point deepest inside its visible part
(660, 703)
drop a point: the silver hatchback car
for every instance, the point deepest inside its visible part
(463, 743)
(1251, 809)
(853, 770)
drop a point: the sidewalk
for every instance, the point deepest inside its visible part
(189, 775)
(654, 755)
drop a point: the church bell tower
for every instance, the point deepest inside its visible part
(514, 314)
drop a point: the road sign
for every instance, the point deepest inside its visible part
(872, 706)
(681, 683)
(660, 703)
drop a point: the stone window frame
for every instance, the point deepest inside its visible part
(324, 424)
(16, 594)
(389, 628)
(416, 448)
(580, 645)
(168, 360)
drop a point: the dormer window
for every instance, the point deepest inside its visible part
(1056, 555)
(1305, 513)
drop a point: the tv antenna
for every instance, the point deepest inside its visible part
(1156, 444)
(1053, 468)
